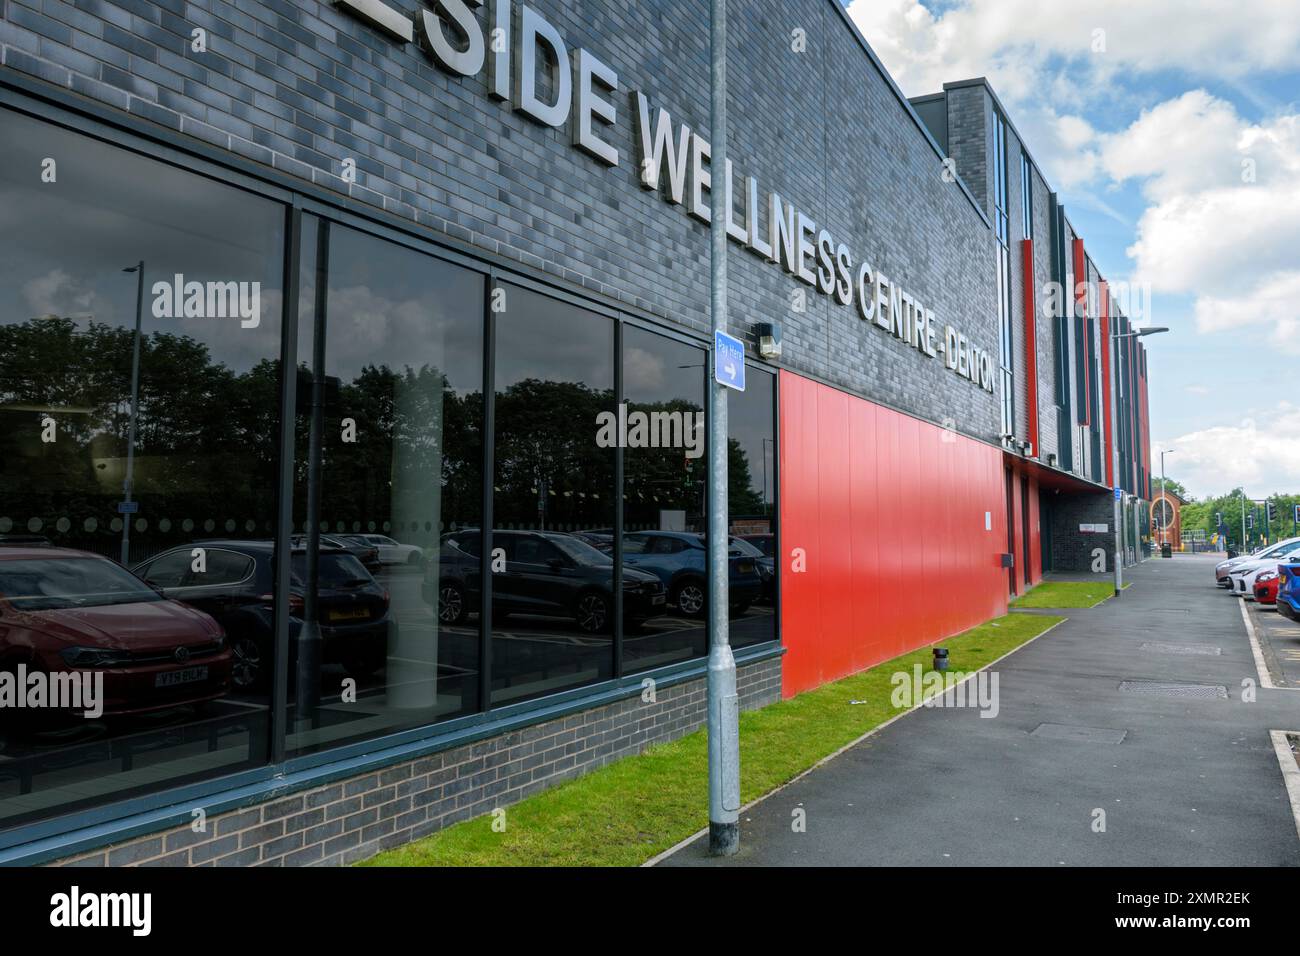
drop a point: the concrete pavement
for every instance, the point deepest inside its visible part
(1193, 779)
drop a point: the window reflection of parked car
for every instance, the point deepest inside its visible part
(679, 559)
(236, 587)
(764, 542)
(602, 541)
(766, 566)
(547, 573)
(64, 611)
(394, 552)
(355, 544)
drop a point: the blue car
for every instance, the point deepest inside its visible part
(679, 560)
(1288, 591)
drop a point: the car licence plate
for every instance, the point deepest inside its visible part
(745, 567)
(352, 614)
(188, 675)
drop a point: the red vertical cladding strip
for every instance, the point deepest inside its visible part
(1035, 534)
(835, 550)
(800, 612)
(1105, 383)
(864, 529)
(1145, 434)
(1031, 339)
(892, 526)
(1080, 293)
(1135, 410)
(934, 531)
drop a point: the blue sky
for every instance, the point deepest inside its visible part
(1171, 132)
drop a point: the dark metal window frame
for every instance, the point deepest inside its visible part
(74, 831)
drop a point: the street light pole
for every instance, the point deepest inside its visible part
(128, 482)
(1114, 386)
(723, 703)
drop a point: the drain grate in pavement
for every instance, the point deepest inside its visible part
(1088, 735)
(1164, 688)
(1166, 647)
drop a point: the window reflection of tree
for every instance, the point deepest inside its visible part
(201, 435)
(546, 451)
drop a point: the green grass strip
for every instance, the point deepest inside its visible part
(1064, 594)
(625, 813)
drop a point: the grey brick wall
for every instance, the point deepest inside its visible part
(299, 86)
(1071, 548)
(350, 820)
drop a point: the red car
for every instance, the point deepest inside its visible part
(64, 611)
(1266, 584)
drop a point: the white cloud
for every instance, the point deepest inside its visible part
(1255, 453)
(1223, 223)
(1000, 38)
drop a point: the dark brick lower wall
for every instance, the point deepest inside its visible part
(1072, 549)
(349, 820)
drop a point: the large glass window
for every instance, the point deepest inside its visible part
(553, 497)
(751, 469)
(388, 490)
(139, 385)
(664, 487)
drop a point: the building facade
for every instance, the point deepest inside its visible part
(353, 373)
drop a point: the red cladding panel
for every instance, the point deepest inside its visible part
(889, 512)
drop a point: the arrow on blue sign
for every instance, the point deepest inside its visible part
(729, 361)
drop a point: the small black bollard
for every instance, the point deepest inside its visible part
(941, 658)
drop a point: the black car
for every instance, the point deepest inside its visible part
(234, 584)
(547, 574)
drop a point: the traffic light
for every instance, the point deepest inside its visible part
(1250, 522)
(1271, 510)
(1218, 518)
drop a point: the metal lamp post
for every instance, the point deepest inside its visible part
(723, 703)
(129, 481)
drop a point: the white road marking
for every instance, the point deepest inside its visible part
(1258, 653)
(1290, 772)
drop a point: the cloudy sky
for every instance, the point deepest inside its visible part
(1172, 132)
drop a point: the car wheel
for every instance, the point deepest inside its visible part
(451, 604)
(593, 613)
(248, 671)
(690, 599)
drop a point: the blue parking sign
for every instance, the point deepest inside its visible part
(729, 361)
(1119, 493)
